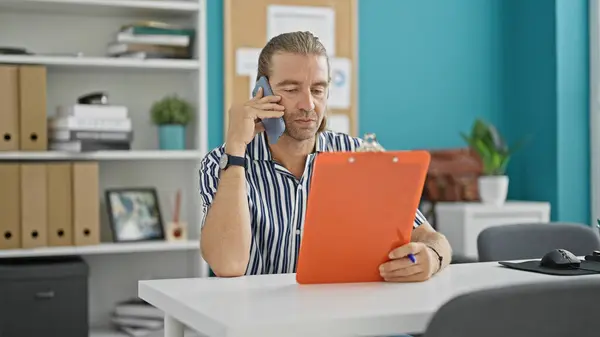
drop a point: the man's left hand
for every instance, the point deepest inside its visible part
(400, 268)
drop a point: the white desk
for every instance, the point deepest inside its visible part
(276, 306)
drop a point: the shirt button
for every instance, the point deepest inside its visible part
(297, 232)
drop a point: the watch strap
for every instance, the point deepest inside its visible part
(235, 160)
(440, 258)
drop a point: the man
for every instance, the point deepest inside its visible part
(254, 192)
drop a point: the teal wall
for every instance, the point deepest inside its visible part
(546, 97)
(428, 68)
(214, 17)
(530, 97)
(572, 110)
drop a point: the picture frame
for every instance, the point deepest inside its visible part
(134, 214)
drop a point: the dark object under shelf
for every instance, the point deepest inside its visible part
(44, 297)
(13, 51)
(94, 98)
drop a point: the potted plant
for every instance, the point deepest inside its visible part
(171, 114)
(495, 156)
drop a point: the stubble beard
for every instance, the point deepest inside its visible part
(299, 133)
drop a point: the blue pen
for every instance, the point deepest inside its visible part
(412, 258)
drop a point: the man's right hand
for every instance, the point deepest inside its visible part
(245, 121)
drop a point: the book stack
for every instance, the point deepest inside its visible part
(90, 127)
(152, 40)
(137, 318)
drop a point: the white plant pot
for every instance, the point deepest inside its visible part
(493, 189)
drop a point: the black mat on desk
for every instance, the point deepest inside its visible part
(586, 268)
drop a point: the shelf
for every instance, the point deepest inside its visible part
(100, 62)
(102, 155)
(107, 332)
(106, 7)
(102, 249)
(99, 332)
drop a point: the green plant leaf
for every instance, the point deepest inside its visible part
(466, 138)
(171, 110)
(495, 138)
(504, 165)
(491, 147)
(482, 149)
(496, 160)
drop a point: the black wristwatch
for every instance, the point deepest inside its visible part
(227, 160)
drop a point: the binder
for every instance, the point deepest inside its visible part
(60, 200)
(86, 204)
(10, 210)
(9, 108)
(34, 207)
(360, 207)
(32, 105)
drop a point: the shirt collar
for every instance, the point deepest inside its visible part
(258, 149)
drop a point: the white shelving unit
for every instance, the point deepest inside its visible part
(102, 249)
(100, 62)
(164, 8)
(55, 29)
(103, 155)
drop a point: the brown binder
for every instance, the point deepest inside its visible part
(32, 105)
(9, 108)
(10, 201)
(34, 207)
(86, 204)
(60, 199)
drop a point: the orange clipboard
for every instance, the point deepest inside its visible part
(361, 205)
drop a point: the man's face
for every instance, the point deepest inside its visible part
(301, 81)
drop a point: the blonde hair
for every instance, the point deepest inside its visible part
(303, 43)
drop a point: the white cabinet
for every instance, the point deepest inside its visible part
(462, 222)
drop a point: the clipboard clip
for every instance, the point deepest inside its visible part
(370, 144)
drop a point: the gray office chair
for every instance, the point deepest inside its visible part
(532, 241)
(460, 259)
(557, 309)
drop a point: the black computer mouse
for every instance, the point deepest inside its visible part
(560, 259)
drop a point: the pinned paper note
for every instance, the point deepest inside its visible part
(339, 92)
(252, 80)
(338, 123)
(318, 20)
(246, 61)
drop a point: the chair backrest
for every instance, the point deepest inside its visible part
(557, 309)
(532, 241)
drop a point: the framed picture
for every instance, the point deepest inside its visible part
(134, 214)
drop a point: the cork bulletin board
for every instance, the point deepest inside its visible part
(248, 25)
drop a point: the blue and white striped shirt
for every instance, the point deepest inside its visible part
(277, 200)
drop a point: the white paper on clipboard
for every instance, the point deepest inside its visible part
(318, 20)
